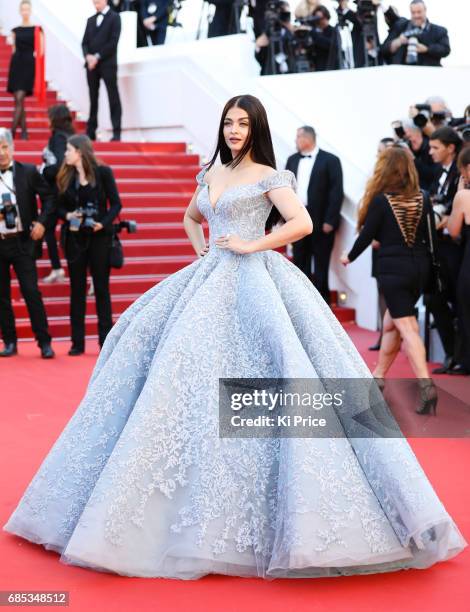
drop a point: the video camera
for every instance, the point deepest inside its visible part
(8, 210)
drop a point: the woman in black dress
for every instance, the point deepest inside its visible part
(458, 224)
(85, 187)
(395, 212)
(22, 66)
(61, 123)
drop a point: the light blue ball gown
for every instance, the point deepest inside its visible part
(139, 481)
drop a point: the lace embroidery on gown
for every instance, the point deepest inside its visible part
(139, 482)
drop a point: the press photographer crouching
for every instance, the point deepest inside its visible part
(416, 41)
(85, 187)
(21, 231)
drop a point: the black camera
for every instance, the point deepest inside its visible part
(424, 115)
(130, 226)
(8, 210)
(89, 217)
(464, 131)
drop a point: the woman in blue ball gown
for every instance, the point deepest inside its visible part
(141, 484)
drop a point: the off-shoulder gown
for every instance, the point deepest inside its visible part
(139, 482)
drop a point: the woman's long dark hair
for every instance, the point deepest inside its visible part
(61, 119)
(259, 141)
(82, 143)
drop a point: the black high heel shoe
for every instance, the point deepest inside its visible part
(380, 383)
(428, 392)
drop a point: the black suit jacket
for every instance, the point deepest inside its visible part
(106, 190)
(325, 189)
(452, 184)
(28, 185)
(433, 36)
(103, 40)
(162, 8)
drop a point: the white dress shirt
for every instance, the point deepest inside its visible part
(99, 19)
(304, 173)
(7, 179)
(444, 177)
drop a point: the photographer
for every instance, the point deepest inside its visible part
(61, 124)
(273, 45)
(21, 231)
(419, 146)
(445, 145)
(323, 36)
(431, 115)
(416, 41)
(85, 187)
(364, 34)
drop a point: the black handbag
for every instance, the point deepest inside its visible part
(116, 252)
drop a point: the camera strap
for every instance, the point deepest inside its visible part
(10, 189)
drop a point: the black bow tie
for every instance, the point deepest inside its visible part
(10, 169)
(98, 14)
(445, 171)
(305, 155)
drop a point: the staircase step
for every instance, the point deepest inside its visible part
(120, 285)
(161, 264)
(114, 157)
(117, 147)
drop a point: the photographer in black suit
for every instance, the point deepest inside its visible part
(99, 46)
(320, 187)
(85, 187)
(416, 41)
(21, 231)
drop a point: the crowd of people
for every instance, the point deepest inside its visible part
(309, 41)
(76, 189)
(414, 214)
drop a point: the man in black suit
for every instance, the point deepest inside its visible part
(154, 17)
(99, 46)
(416, 41)
(320, 187)
(445, 145)
(21, 230)
(323, 34)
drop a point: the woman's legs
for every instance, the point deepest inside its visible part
(19, 113)
(413, 345)
(389, 346)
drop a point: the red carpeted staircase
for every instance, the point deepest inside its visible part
(155, 180)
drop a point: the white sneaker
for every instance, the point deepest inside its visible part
(55, 276)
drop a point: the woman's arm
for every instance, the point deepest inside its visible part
(368, 232)
(193, 225)
(455, 221)
(13, 42)
(298, 224)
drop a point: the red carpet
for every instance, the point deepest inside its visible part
(38, 398)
